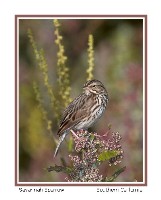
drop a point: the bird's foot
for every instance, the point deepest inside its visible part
(74, 134)
(78, 138)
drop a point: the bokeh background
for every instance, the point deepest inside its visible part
(118, 45)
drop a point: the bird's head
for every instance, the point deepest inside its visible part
(94, 87)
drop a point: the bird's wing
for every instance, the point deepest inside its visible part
(76, 110)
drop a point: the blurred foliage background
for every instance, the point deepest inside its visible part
(118, 47)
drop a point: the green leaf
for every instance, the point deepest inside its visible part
(115, 175)
(63, 162)
(57, 168)
(107, 155)
(92, 137)
(70, 144)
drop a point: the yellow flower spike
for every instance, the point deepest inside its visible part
(56, 23)
(40, 105)
(62, 69)
(44, 70)
(90, 50)
(49, 124)
(33, 44)
(43, 67)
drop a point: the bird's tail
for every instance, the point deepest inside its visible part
(59, 143)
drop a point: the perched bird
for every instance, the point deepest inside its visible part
(84, 110)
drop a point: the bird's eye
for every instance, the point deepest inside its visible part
(94, 86)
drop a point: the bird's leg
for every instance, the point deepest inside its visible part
(74, 134)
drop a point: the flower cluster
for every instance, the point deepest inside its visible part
(114, 144)
(92, 149)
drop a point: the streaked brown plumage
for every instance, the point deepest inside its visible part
(84, 110)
